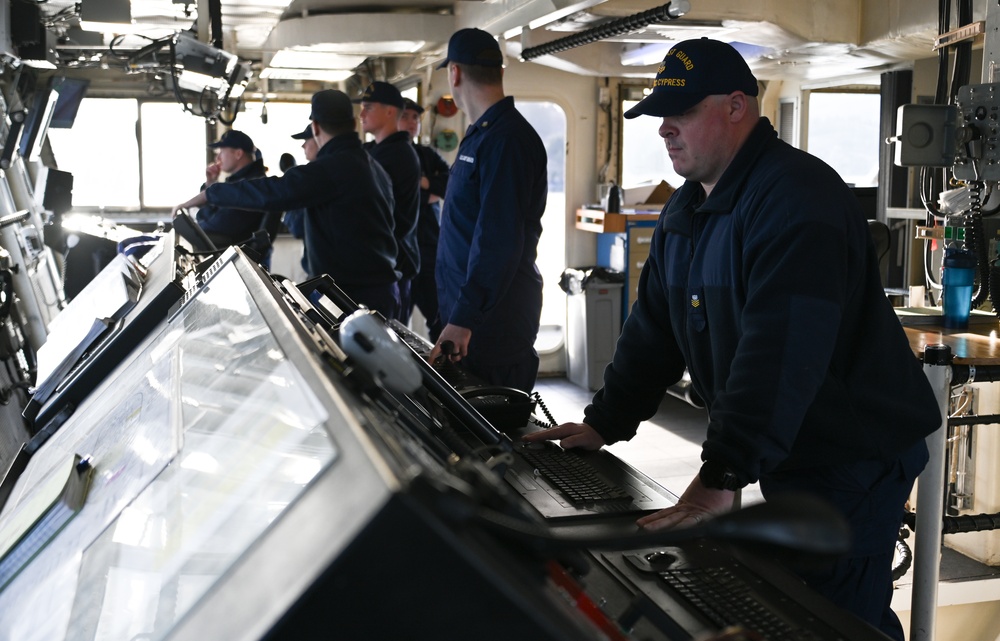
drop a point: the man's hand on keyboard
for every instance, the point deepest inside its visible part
(697, 504)
(456, 339)
(570, 435)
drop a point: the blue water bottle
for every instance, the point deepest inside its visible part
(957, 281)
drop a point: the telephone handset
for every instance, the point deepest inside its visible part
(507, 408)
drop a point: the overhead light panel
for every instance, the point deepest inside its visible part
(322, 75)
(306, 58)
(312, 63)
(376, 48)
(641, 55)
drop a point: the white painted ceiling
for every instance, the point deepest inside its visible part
(785, 38)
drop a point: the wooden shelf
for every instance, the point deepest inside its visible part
(599, 221)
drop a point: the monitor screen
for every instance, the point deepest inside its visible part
(71, 92)
(53, 106)
(36, 123)
(200, 440)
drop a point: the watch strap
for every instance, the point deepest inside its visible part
(718, 476)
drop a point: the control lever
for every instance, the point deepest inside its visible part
(447, 349)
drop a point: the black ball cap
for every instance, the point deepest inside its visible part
(305, 134)
(473, 47)
(412, 106)
(331, 106)
(691, 71)
(235, 140)
(382, 92)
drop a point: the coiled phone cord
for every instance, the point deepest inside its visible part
(535, 396)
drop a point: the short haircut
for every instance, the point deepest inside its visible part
(251, 154)
(481, 75)
(335, 128)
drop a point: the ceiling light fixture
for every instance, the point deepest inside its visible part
(322, 75)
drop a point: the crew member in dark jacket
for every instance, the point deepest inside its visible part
(489, 289)
(380, 107)
(762, 280)
(295, 219)
(433, 183)
(236, 156)
(348, 201)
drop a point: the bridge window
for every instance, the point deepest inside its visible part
(109, 137)
(644, 156)
(549, 120)
(273, 138)
(102, 153)
(843, 131)
(173, 154)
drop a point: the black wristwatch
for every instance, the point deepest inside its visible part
(717, 476)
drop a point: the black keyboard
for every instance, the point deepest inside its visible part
(574, 477)
(457, 376)
(571, 475)
(418, 343)
(727, 600)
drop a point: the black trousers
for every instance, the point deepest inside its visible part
(871, 495)
(423, 294)
(405, 301)
(518, 372)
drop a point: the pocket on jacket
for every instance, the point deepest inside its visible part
(696, 318)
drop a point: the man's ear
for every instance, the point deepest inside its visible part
(738, 105)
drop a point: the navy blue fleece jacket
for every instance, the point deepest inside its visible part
(768, 292)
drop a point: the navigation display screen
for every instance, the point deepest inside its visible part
(199, 442)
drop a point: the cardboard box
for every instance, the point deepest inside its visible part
(646, 198)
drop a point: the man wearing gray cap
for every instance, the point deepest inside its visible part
(348, 202)
(762, 280)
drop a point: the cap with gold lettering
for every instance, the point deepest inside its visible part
(692, 71)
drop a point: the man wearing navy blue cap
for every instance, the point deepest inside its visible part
(380, 107)
(433, 185)
(236, 156)
(348, 202)
(489, 289)
(762, 280)
(295, 219)
(309, 148)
